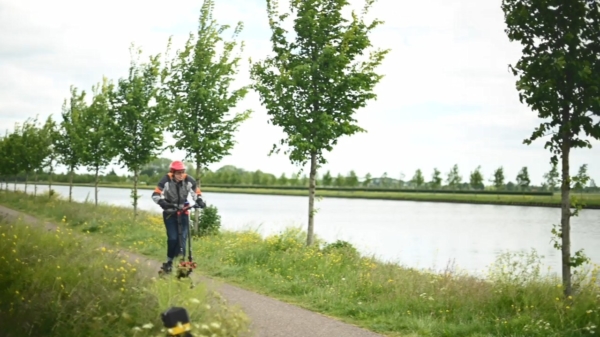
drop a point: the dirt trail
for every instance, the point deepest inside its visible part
(270, 317)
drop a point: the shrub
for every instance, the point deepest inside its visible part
(209, 222)
(341, 246)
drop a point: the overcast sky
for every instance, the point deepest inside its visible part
(447, 97)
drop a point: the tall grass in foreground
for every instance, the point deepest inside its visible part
(53, 285)
(516, 299)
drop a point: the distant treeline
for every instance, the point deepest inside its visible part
(231, 176)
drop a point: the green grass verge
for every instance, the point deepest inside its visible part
(516, 299)
(53, 285)
(590, 200)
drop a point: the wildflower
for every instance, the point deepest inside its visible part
(148, 326)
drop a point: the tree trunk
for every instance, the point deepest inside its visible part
(96, 185)
(26, 179)
(565, 216)
(71, 184)
(50, 181)
(311, 198)
(135, 196)
(196, 211)
(35, 181)
(15, 186)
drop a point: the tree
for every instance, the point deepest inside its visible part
(13, 150)
(454, 178)
(6, 162)
(69, 141)
(385, 181)
(137, 119)
(327, 179)
(523, 180)
(476, 179)
(50, 136)
(558, 78)
(368, 180)
(552, 177)
(33, 151)
(592, 184)
(339, 180)
(98, 151)
(418, 180)
(498, 179)
(197, 89)
(351, 180)
(436, 179)
(282, 180)
(581, 179)
(313, 86)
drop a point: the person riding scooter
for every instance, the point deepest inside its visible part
(174, 188)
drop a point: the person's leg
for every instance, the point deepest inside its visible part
(172, 235)
(185, 222)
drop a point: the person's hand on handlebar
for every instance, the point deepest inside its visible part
(163, 204)
(200, 202)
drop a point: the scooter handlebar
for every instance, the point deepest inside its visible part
(175, 208)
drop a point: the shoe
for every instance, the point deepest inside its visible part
(167, 267)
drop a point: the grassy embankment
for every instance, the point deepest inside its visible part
(591, 200)
(516, 300)
(51, 284)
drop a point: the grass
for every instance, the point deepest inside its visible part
(516, 299)
(53, 285)
(591, 200)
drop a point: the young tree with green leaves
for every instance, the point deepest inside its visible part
(38, 148)
(4, 164)
(69, 142)
(51, 136)
(29, 145)
(558, 78)
(138, 120)
(498, 178)
(339, 180)
(418, 180)
(197, 85)
(351, 180)
(436, 179)
(98, 150)
(581, 179)
(523, 180)
(13, 147)
(552, 177)
(368, 180)
(313, 85)
(476, 179)
(327, 179)
(282, 180)
(454, 178)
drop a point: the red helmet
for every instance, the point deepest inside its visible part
(177, 166)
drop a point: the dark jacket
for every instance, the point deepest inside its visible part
(176, 192)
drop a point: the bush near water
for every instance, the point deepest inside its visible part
(516, 299)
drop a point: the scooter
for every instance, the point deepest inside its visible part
(185, 268)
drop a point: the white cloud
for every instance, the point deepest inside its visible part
(447, 96)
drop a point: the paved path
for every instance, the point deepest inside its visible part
(270, 317)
